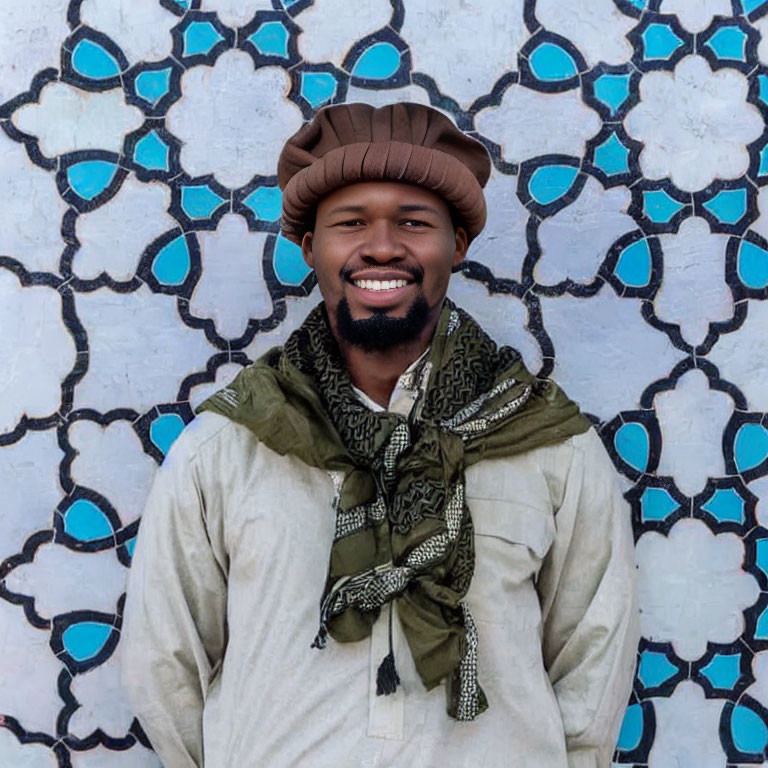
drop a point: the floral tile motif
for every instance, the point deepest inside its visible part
(141, 266)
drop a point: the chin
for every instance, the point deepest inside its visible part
(381, 330)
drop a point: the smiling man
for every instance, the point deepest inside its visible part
(384, 543)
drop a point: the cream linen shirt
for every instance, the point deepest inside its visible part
(223, 605)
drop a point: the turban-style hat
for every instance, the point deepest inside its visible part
(410, 143)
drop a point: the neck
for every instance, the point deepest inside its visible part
(376, 372)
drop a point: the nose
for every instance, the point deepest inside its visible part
(382, 243)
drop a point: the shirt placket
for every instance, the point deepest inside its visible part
(386, 712)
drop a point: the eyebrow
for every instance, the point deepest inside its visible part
(414, 207)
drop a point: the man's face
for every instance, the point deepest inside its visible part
(383, 253)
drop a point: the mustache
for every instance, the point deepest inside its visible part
(415, 272)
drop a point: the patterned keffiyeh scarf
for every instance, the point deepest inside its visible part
(403, 528)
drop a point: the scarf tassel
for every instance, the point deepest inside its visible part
(387, 678)
(321, 638)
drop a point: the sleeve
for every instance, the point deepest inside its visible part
(589, 607)
(174, 628)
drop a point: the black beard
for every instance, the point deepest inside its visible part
(380, 331)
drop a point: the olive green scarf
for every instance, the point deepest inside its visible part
(403, 528)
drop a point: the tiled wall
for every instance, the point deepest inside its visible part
(626, 253)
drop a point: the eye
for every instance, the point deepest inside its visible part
(415, 223)
(349, 223)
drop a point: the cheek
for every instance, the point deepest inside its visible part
(328, 282)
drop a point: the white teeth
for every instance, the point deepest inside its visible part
(380, 285)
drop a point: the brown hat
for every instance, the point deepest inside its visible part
(411, 143)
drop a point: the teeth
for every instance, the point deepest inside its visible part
(380, 285)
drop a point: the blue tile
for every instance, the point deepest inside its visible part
(752, 265)
(728, 205)
(723, 671)
(749, 732)
(761, 555)
(761, 626)
(550, 63)
(84, 521)
(199, 38)
(763, 88)
(729, 43)
(90, 178)
(171, 264)
(84, 640)
(165, 429)
(725, 505)
(631, 729)
(378, 62)
(633, 445)
(550, 182)
(634, 266)
(92, 61)
(288, 263)
(612, 90)
(200, 201)
(750, 446)
(152, 153)
(318, 87)
(659, 207)
(763, 168)
(612, 157)
(656, 504)
(153, 84)
(271, 39)
(659, 42)
(265, 202)
(654, 669)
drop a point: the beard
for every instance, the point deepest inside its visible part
(380, 331)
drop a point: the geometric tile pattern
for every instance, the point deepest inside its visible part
(626, 254)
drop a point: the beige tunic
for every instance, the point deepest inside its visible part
(223, 605)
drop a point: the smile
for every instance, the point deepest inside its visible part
(380, 285)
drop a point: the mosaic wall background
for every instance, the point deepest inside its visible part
(626, 254)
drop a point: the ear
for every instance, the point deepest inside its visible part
(306, 250)
(461, 246)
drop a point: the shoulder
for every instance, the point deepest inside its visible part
(545, 472)
(208, 438)
(586, 446)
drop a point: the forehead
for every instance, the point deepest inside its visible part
(382, 196)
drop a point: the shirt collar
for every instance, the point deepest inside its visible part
(403, 395)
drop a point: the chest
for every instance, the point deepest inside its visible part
(280, 526)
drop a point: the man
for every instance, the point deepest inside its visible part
(386, 543)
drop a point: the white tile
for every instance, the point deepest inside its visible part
(114, 235)
(691, 587)
(140, 28)
(687, 727)
(605, 353)
(231, 289)
(504, 317)
(528, 123)
(692, 418)
(597, 28)
(111, 461)
(233, 120)
(68, 119)
(323, 38)
(36, 351)
(445, 37)
(29, 194)
(694, 123)
(140, 350)
(576, 239)
(29, 684)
